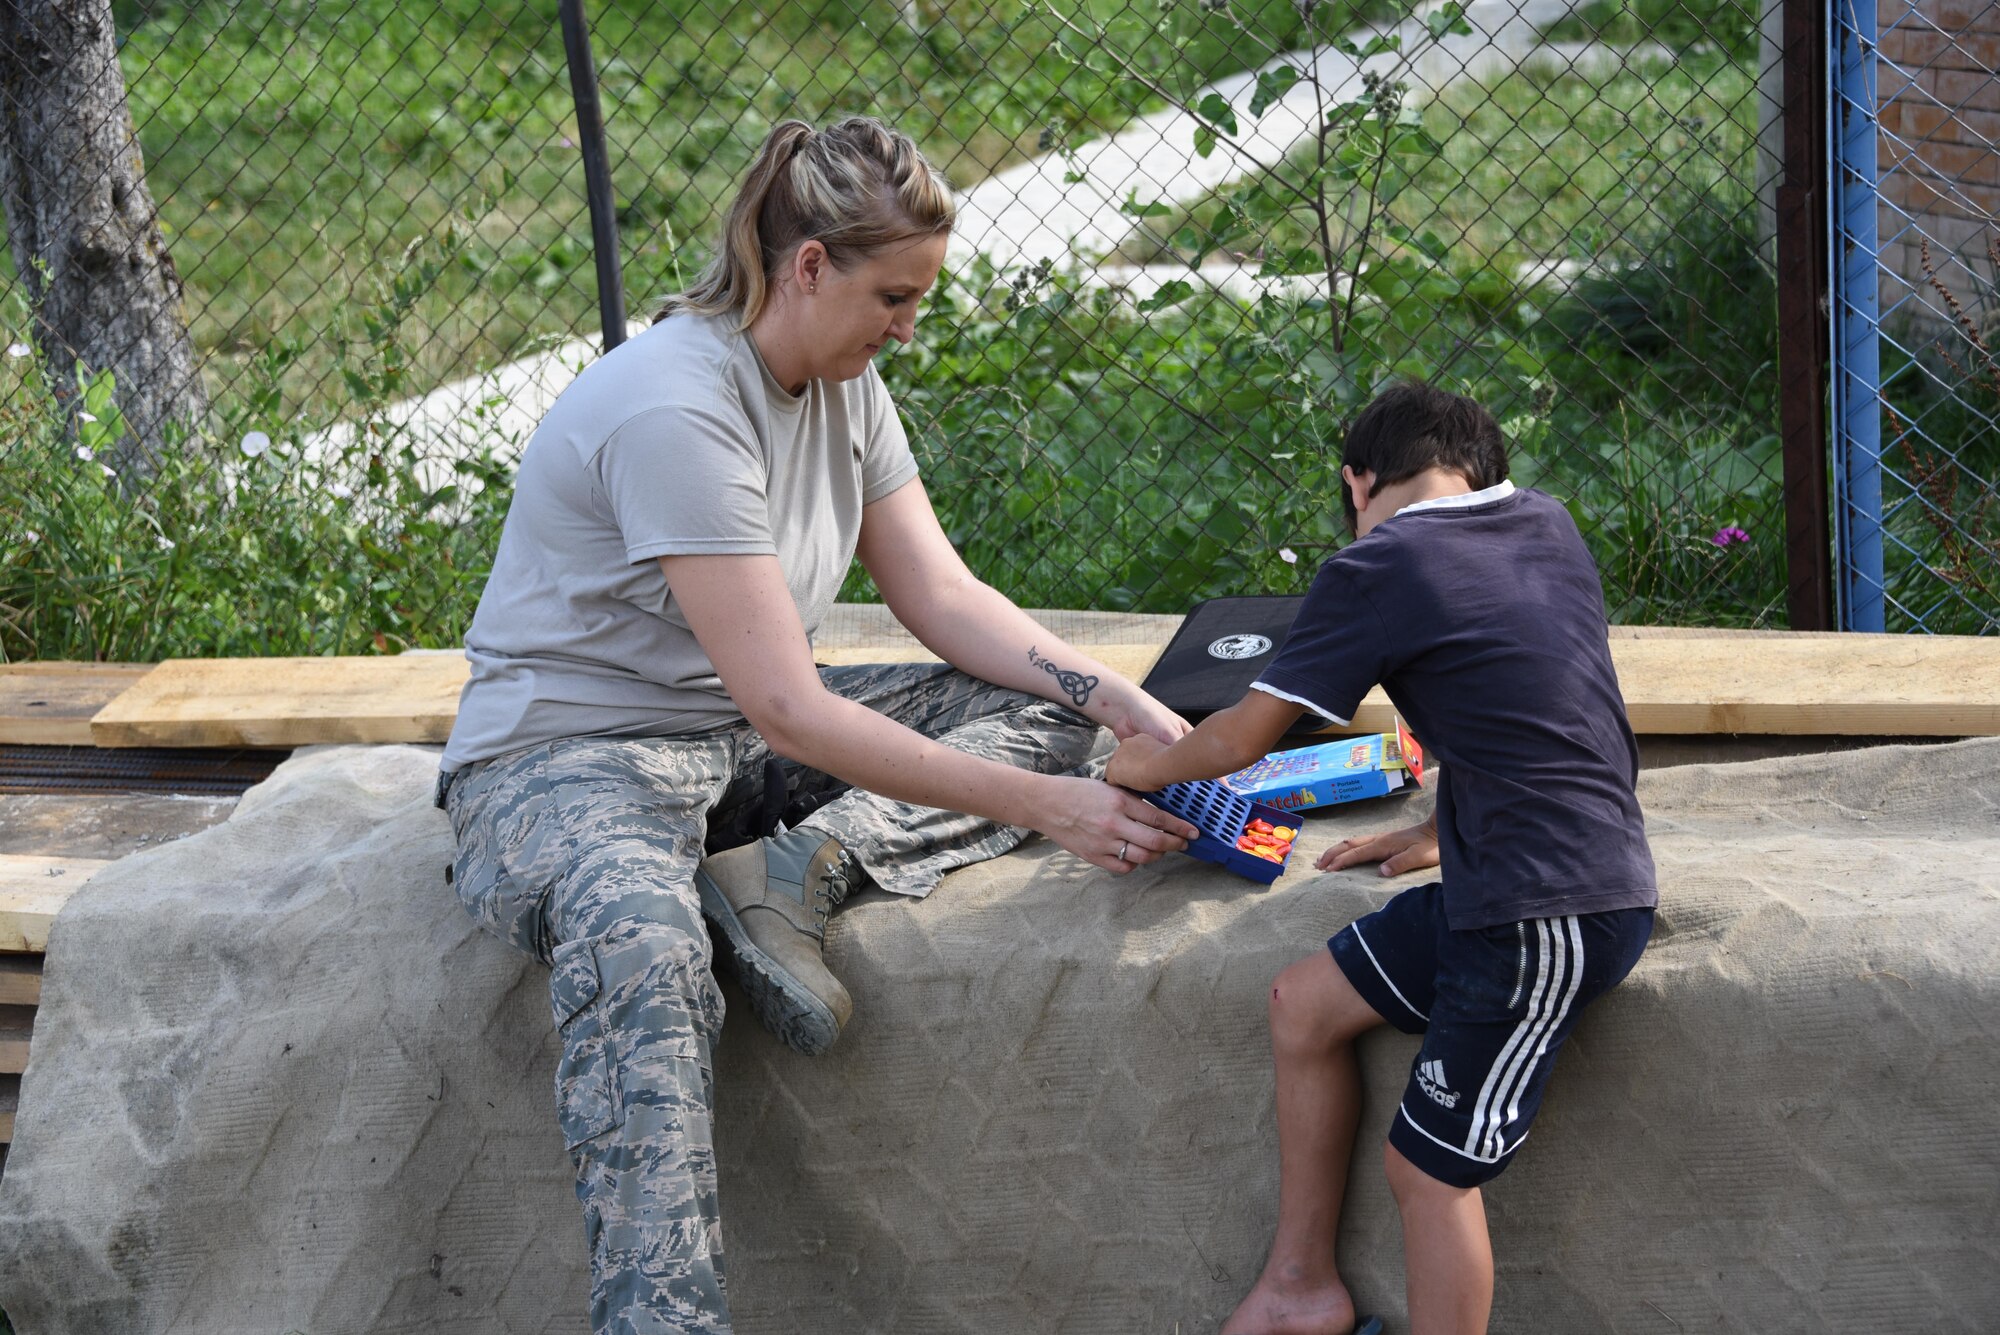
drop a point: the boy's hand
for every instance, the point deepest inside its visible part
(1398, 851)
(1127, 766)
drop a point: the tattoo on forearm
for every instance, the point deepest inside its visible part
(1073, 684)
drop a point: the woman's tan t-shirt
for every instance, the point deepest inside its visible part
(678, 442)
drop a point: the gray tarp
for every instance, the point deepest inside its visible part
(279, 1083)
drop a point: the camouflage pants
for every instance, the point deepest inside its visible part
(582, 852)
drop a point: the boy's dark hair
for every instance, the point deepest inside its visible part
(1412, 427)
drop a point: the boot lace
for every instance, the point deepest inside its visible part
(834, 885)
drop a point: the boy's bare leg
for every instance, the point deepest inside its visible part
(1446, 1252)
(1315, 1016)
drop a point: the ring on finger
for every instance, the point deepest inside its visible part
(1122, 845)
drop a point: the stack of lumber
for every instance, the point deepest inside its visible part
(1676, 682)
(32, 891)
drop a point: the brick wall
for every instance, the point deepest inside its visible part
(1940, 169)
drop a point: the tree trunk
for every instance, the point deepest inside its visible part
(85, 235)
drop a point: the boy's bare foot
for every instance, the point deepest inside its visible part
(1280, 1307)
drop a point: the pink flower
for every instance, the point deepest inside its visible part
(1729, 537)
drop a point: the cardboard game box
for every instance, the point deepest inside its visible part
(1342, 771)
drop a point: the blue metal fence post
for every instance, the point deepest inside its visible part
(1857, 332)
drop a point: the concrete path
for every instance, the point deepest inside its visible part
(497, 409)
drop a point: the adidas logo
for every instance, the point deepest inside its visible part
(1430, 1075)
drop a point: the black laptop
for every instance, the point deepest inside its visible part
(1223, 646)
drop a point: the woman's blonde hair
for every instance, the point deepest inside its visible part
(856, 188)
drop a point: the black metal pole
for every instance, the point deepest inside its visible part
(596, 173)
(1802, 318)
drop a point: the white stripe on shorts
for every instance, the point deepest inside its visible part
(1356, 928)
(1500, 1063)
(1575, 934)
(1500, 1095)
(1403, 1110)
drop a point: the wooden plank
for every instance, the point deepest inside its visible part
(33, 890)
(103, 825)
(1674, 682)
(16, 1023)
(1854, 685)
(10, 1101)
(20, 980)
(51, 704)
(1777, 684)
(287, 702)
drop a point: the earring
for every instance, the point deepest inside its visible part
(813, 288)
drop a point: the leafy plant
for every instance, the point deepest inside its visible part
(263, 536)
(1677, 24)
(1301, 362)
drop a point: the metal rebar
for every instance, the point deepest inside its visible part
(205, 771)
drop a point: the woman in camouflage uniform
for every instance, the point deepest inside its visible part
(683, 518)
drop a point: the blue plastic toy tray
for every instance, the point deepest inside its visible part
(1221, 816)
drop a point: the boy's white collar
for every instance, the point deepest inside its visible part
(1499, 492)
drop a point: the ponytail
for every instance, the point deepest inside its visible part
(857, 188)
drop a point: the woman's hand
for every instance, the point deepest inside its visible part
(1140, 715)
(1398, 851)
(1107, 827)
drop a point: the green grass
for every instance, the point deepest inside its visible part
(1081, 454)
(1547, 164)
(1542, 164)
(296, 149)
(1683, 25)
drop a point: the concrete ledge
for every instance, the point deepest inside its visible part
(281, 1083)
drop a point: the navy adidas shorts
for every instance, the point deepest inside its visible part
(1494, 1004)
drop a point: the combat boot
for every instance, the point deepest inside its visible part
(771, 899)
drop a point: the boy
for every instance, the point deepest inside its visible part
(1479, 610)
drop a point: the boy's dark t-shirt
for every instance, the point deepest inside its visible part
(1484, 622)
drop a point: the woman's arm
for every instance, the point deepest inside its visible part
(979, 631)
(743, 616)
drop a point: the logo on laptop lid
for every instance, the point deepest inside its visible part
(1240, 646)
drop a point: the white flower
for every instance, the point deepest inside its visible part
(88, 417)
(32, 537)
(166, 543)
(1288, 556)
(109, 471)
(255, 443)
(341, 490)
(85, 453)
(17, 349)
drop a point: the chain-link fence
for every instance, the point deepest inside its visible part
(1195, 235)
(1917, 381)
